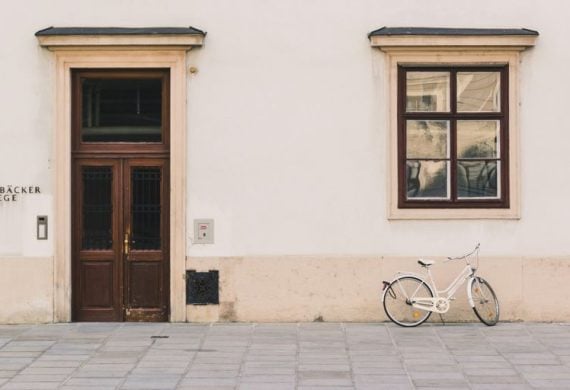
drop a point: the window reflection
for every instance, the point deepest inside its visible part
(427, 179)
(427, 91)
(477, 179)
(478, 92)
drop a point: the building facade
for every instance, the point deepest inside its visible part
(277, 161)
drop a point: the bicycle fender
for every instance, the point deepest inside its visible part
(399, 275)
(413, 274)
(469, 287)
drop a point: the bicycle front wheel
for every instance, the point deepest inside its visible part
(398, 298)
(485, 303)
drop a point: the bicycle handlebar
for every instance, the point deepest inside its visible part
(466, 255)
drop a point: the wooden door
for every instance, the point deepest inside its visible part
(97, 250)
(120, 194)
(145, 240)
(121, 239)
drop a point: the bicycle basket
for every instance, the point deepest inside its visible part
(473, 258)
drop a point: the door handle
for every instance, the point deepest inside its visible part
(126, 243)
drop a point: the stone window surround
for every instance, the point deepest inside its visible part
(110, 51)
(451, 50)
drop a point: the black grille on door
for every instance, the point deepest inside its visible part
(146, 208)
(97, 208)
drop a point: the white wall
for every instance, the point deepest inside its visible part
(287, 124)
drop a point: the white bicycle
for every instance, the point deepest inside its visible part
(409, 299)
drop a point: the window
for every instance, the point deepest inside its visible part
(121, 106)
(121, 109)
(452, 120)
(453, 137)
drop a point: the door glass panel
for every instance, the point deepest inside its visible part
(97, 233)
(121, 110)
(146, 208)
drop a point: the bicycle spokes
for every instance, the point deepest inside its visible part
(485, 302)
(480, 293)
(399, 301)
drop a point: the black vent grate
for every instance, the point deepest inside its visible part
(202, 288)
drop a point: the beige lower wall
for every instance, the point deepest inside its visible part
(315, 288)
(26, 290)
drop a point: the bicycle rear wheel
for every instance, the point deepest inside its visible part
(397, 301)
(485, 303)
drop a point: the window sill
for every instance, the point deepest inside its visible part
(445, 214)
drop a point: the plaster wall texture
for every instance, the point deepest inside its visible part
(26, 290)
(287, 136)
(314, 288)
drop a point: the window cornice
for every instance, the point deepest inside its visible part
(441, 39)
(85, 38)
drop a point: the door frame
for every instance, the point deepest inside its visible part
(172, 58)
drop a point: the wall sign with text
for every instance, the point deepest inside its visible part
(11, 193)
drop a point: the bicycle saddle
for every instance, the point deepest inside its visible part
(425, 263)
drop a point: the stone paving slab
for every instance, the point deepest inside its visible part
(284, 356)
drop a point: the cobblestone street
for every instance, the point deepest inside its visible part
(284, 356)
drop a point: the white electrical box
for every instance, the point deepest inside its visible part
(203, 231)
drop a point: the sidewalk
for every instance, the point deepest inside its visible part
(284, 356)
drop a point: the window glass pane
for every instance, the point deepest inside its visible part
(427, 91)
(478, 179)
(478, 92)
(427, 179)
(121, 110)
(478, 139)
(427, 139)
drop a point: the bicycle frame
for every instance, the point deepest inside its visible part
(440, 302)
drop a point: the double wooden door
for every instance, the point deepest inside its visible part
(120, 239)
